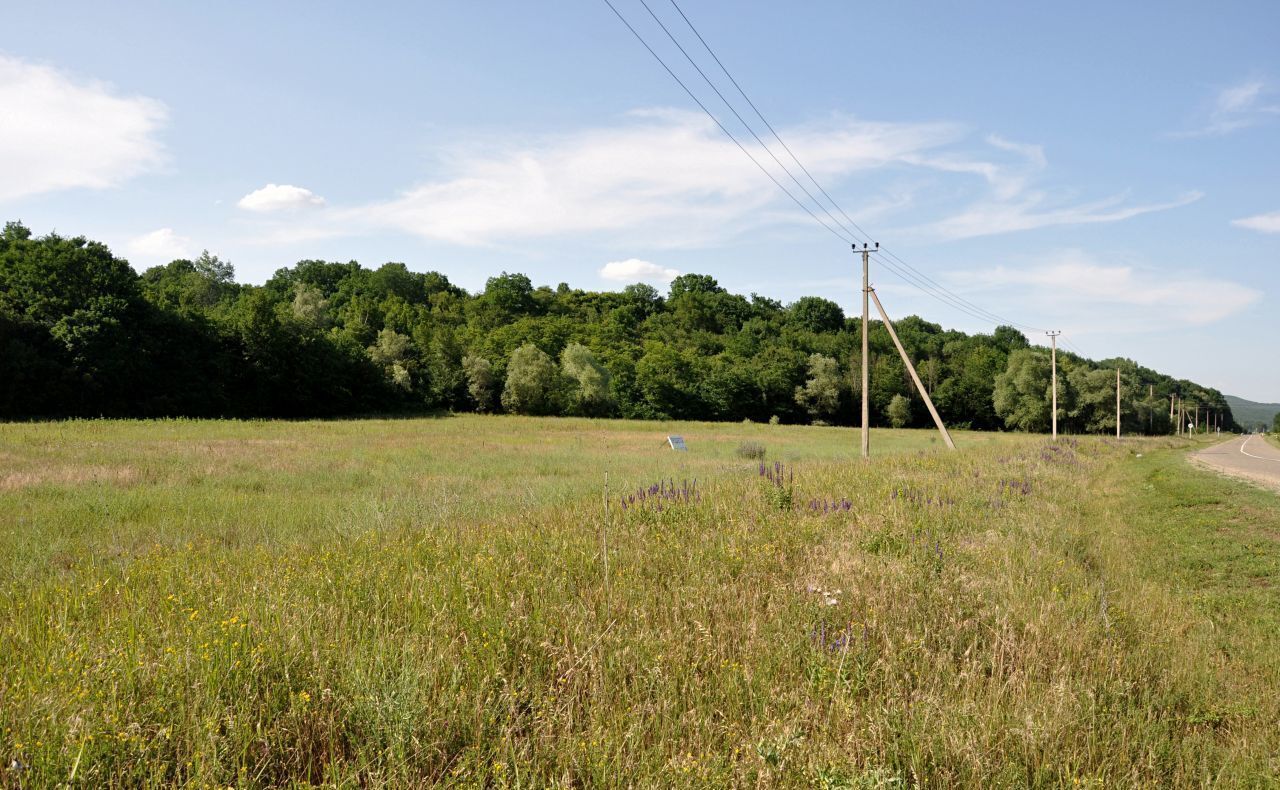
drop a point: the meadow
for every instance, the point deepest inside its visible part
(451, 602)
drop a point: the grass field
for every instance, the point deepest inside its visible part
(375, 603)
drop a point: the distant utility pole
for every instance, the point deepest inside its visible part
(1117, 403)
(866, 370)
(1053, 356)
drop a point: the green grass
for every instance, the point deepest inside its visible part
(427, 601)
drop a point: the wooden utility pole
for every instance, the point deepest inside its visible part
(946, 437)
(1117, 403)
(1053, 361)
(866, 368)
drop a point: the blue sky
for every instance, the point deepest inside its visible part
(1109, 169)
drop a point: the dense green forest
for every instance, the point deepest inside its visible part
(83, 334)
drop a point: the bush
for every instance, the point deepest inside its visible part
(753, 450)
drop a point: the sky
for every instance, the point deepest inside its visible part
(1110, 170)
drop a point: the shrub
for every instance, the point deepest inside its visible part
(753, 450)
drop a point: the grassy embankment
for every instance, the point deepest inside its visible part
(408, 602)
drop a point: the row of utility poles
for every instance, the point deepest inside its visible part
(869, 296)
(1188, 422)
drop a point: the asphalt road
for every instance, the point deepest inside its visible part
(1250, 457)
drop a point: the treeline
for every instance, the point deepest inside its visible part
(82, 334)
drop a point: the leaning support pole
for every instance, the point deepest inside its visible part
(946, 437)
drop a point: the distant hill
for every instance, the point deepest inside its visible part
(1251, 414)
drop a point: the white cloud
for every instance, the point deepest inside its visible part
(1075, 289)
(159, 246)
(666, 178)
(634, 270)
(1234, 108)
(1034, 210)
(1263, 223)
(62, 133)
(279, 197)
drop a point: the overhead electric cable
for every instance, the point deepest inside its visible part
(730, 135)
(955, 300)
(1074, 348)
(895, 264)
(765, 121)
(742, 120)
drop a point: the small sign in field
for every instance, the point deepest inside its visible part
(677, 443)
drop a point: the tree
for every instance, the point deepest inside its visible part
(664, 378)
(588, 382)
(190, 286)
(481, 381)
(1094, 407)
(820, 395)
(81, 334)
(49, 278)
(1021, 395)
(694, 284)
(310, 306)
(816, 314)
(392, 352)
(899, 411)
(533, 383)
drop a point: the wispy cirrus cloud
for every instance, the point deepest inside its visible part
(63, 132)
(1236, 107)
(667, 179)
(1088, 295)
(1036, 210)
(1263, 223)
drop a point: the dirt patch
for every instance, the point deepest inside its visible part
(70, 476)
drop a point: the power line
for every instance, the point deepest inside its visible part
(911, 275)
(1074, 348)
(712, 116)
(922, 282)
(990, 316)
(737, 115)
(765, 121)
